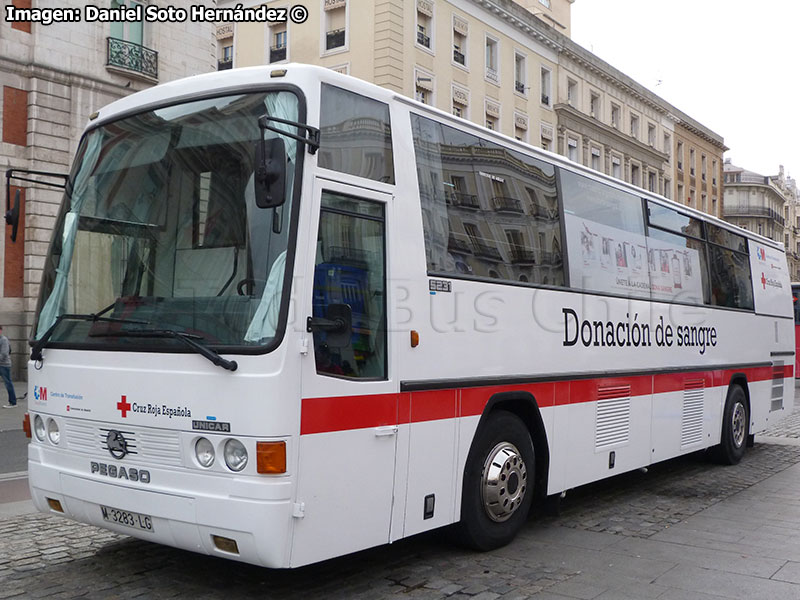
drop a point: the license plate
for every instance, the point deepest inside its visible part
(127, 518)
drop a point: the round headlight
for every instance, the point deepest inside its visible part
(235, 455)
(204, 451)
(52, 431)
(38, 428)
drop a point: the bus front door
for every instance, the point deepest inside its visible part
(349, 422)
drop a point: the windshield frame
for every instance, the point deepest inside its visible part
(291, 249)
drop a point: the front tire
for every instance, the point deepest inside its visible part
(498, 483)
(735, 427)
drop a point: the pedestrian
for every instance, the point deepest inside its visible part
(5, 369)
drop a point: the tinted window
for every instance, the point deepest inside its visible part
(355, 135)
(672, 220)
(488, 211)
(605, 237)
(729, 267)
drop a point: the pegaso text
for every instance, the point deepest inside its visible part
(155, 14)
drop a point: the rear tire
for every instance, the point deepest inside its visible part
(498, 483)
(735, 427)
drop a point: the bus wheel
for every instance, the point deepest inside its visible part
(735, 427)
(498, 483)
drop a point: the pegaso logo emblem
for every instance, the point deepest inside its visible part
(116, 444)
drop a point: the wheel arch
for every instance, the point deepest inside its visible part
(523, 405)
(740, 379)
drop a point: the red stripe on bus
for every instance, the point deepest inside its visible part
(342, 413)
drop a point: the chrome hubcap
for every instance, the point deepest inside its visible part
(504, 482)
(738, 424)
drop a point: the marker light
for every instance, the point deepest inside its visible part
(271, 457)
(52, 431)
(26, 424)
(235, 455)
(38, 428)
(204, 451)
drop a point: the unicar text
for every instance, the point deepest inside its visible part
(630, 333)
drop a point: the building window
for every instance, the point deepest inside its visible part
(545, 85)
(667, 144)
(546, 136)
(635, 126)
(126, 47)
(595, 158)
(226, 59)
(492, 54)
(572, 149)
(492, 111)
(713, 172)
(277, 50)
(652, 182)
(424, 23)
(424, 86)
(572, 92)
(680, 156)
(491, 123)
(615, 116)
(520, 78)
(635, 180)
(460, 30)
(691, 162)
(667, 186)
(460, 101)
(616, 167)
(703, 203)
(545, 3)
(335, 24)
(651, 135)
(594, 105)
(679, 197)
(703, 167)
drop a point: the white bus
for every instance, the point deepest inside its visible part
(287, 315)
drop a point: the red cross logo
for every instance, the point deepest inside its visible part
(763, 280)
(124, 406)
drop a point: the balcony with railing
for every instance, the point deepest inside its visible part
(462, 200)
(522, 256)
(546, 99)
(459, 57)
(519, 86)
(486, 251)
(224, 64)
(753, 211)
(277, 53)
(334, 39)
(505, 204)
(423, 40)
(458, 245)
(132, 57)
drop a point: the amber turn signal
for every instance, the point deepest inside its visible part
(414, 338)
(26, 425)
(271, 457)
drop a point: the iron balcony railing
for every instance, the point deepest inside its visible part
(459, 57)
(277, 53)
(521, 256)
(486, 251)
(458, 245)
(133, 57)
(464, 200)
(334, 39)
(753, 211)
(224, 64)
(423, 40)
(519, 86)
(505, 204)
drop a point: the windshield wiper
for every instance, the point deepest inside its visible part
(36, 348)
(189, 339)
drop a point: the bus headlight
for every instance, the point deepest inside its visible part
(38, 428)
(204, 451)
(235, 455)
(52, 431)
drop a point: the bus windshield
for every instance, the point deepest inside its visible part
(159, 230)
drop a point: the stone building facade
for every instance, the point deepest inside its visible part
(510, 66)
(52, 78)
(767, 205)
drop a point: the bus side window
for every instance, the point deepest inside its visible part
(349, 269)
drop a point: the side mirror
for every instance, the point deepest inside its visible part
(270, 173)
(12, 217)
(338, 324)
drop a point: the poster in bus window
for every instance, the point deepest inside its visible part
(771, 286)
(606, 259)
(632, 264)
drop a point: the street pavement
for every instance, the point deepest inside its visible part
(685, 529)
